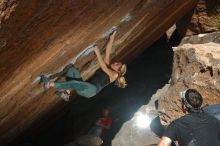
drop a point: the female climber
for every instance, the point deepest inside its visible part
(109, 73)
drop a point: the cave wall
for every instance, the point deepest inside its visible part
(38, 36)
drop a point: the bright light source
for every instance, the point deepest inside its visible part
(142, 120)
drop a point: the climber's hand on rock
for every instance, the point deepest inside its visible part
(112, 35)
(96, 49)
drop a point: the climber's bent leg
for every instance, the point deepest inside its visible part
(68, 71)
(72, 72)
(82, 88)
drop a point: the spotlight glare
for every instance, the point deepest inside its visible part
(142, 120)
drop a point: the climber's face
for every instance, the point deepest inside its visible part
(116, 66)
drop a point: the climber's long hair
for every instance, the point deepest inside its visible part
(121, 81)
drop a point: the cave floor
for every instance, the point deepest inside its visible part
(146, 74)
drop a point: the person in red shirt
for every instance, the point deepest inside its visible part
(103, 123)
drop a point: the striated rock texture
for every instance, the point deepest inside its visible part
(38, 36)
(195, 66)
(203, 19)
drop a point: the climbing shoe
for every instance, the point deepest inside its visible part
(46, 81)
(64, 95)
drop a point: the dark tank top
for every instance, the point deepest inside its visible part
(100, 79)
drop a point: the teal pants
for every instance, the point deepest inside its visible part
(82, 88)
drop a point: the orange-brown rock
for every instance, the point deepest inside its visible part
(203, 20)
(38, 36)
(195, 66)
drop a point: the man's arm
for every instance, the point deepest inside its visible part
(165, 141)
(169, 135)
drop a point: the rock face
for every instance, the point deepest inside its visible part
(203, 20)
(38, 36)
(202, 39)
(195, 66)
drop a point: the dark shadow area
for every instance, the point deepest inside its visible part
(157, 127)
(146, 74)
(175, 38)
(212, 6)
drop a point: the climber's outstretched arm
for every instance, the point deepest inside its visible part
(109, 48)
(103, 65)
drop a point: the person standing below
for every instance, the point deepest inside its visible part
(103, 123)
(195, 128)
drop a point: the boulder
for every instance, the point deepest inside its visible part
(195, 66)
(41, 37)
